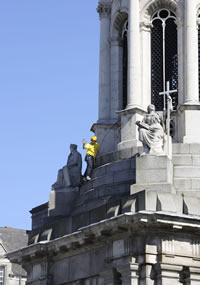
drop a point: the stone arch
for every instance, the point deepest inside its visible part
(154, 5)
(118, 21)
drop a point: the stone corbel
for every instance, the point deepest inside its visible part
(146, 26)
(179, 22)
(104, 10)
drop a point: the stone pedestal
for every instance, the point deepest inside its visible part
(153, 173)
(129, 130)
(61, 201)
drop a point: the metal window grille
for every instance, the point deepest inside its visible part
(164, 63)
(125, 63)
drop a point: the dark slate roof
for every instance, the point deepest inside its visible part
(13, 239)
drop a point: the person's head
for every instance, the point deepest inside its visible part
(150, 108)
(93, 139)
(73, 147)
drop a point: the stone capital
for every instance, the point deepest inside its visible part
(104, 10)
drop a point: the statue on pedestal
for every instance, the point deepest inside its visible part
(151, 133)
(70, 175)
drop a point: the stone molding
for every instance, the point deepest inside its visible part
(120, 19)
(94, 235)
(104, 10)
(159, 4)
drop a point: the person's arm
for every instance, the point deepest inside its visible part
(84, 142)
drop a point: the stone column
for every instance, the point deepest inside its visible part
(134, 68)
(116, 77)
(188, 115)
(191, 53)
(146, 64)
(104, 11)
(129, 273)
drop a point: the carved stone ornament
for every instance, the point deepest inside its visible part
(104, 10)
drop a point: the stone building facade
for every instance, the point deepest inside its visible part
(138, 220)
(11, 239)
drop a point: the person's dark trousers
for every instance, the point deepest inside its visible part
(90, 163)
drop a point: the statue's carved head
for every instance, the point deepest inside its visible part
(150, 108)
(73, 147)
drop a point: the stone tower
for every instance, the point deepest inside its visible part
(137, 221)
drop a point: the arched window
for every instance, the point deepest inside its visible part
(164, 57)
(125, 63)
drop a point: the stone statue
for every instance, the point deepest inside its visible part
(70, 175)
(151, 133)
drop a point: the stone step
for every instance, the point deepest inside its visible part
(186, 160)
(180, 148)
(111, 173)
(187, 183)
(111, 178)
(113, 167)
(189, 193)
(97, 193)
(186, 172)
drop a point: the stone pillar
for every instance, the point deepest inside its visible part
(116, 77)
(169, 274)
(104, 11)
(134, 68)
(146, 65)
(146, 273)
(188, 116)
(191, 53)
(129, 273)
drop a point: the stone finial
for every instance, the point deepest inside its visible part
(104, 10)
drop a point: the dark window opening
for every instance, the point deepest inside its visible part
(171, 59)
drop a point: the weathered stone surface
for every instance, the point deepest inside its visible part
(153, 169)
(61, 201)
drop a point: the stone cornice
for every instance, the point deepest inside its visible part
(104, 10)
(94, 235)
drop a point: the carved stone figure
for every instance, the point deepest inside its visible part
(74, 165)
(70, 175)
(151, 133)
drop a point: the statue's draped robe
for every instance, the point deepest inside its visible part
(74, 165)
(153, 135)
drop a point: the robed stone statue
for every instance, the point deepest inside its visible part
(151, 133)
(70, 175)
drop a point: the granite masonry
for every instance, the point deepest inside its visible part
(138, 220)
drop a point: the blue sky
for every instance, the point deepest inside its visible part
(49, 56)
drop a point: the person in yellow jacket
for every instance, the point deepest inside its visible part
(92, 150)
